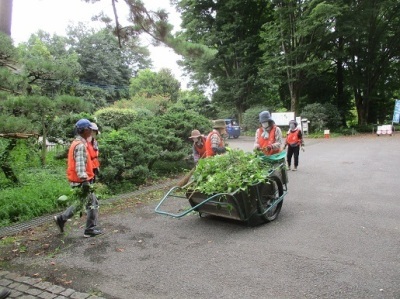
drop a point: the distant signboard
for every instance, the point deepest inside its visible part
(396, 113)
(282, 118)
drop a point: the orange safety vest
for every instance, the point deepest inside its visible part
(269, 141)
(209, 151)
(293, 137)
(201, 150)
(94, 155)
(71, 169)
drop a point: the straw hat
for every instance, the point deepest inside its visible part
(195, 134)
(219, 124)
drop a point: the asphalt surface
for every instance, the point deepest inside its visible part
(337, 236)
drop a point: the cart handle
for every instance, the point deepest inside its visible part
(159, 211)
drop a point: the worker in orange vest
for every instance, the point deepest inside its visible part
(294, 140)
(80, 174)
(93, 149)
(199, 145)
(215, 144)
(268, 137)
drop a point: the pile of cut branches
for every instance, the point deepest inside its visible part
(227, 173)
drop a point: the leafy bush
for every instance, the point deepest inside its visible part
(365, 128)
(155, 104)
(12, 124)
(25, 154)
(182, 123)
(126, 157)
(196, 101)
(322, 116)
(117, 118)
(250, 118)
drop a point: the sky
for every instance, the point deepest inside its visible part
(54, 16)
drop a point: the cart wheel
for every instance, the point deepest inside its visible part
(269, 194)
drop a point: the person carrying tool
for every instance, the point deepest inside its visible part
(215, 144)
(80, 174)
(268, 137)
(294, 140)
(199, 145)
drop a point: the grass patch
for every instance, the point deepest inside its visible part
(35, 196)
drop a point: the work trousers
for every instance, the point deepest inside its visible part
(91, 204)
(293, 151)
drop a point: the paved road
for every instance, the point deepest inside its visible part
(338, 236)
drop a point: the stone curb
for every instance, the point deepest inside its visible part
(25, 287)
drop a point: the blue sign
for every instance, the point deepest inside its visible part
(396, 113)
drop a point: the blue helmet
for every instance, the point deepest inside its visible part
(83, 124)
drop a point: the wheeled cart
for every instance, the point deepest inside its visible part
(257, 204)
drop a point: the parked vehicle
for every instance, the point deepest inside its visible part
(232, 128)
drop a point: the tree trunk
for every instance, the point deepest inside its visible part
(6, 16)
(361, 109)
(294, 89)
(5, 164)
(340, 100)
(44, 142)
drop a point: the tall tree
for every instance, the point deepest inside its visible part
(49, 65)
(231, 29)
(220, 43)
(11, 78)
(371, 31)
(104, 63)
(293, 42)
(149, 84)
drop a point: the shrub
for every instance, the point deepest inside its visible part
(155, 104)
(12, 124)
(250, 118)
(322, 116)
(126, 157)
(183, 122)
(117, 118)
(196, 101)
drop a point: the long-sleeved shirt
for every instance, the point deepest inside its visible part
(215, 143)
